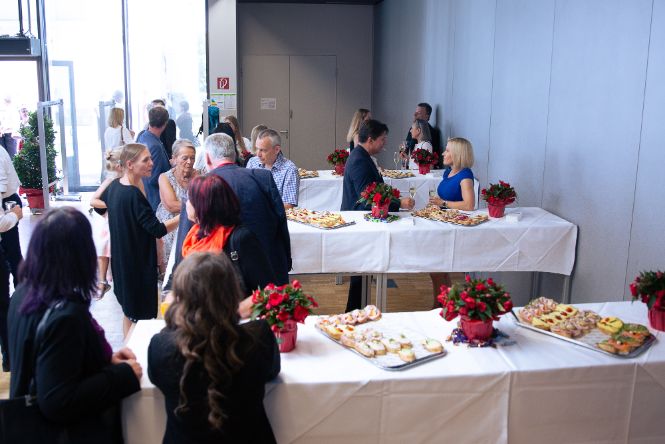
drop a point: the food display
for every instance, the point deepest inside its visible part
(386, 345)
(305, 174)
(450, 216)
(585, 327)
(319, 219)
(397, 174)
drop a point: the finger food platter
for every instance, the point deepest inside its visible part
(324, 220)
(450, 216)
(585, 328)
(397, 174)
(384, 344)
(306, 174)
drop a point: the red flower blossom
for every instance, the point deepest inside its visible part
(508, 305)
(275, 299)
(300, 313)
(296, 284)
(482, 306)
(283, 316)
(480, 287)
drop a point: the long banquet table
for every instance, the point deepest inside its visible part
(539, 390)
(324, 193)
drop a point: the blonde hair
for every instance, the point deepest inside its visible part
(130, 152)
(358, 118)
(179, 144)
(113, 160)
(237, 134)
(462, 152)
(116, 117)
(255, 135)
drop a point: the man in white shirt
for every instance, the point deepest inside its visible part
(9, 184)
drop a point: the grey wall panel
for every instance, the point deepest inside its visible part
(647, 243)
(597, 88)
(472, 77)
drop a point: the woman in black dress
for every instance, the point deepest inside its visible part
(211, 370)
(134, 228)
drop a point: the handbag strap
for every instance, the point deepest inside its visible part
(39, 336)
(122, 138)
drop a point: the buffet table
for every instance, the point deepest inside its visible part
(324, 193)
(539, 390)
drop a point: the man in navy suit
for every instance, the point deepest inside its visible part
(359, 172)
(261, 207)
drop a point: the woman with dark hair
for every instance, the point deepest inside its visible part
(211, 370)
(215, 211)
(242, 143)
(79, 381)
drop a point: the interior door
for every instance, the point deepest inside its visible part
(265, 95)
(313, 82)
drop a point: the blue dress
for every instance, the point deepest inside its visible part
(450, 188)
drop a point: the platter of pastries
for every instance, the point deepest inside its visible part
(586, 328)
(385, 345)
(325, 220)
(397, 174)
(306, 174)
(451, 216)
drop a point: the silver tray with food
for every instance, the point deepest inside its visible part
(451, 216)
(384, 344)
(306, 174)
(585, 328)
(324, 220)
(397, 174)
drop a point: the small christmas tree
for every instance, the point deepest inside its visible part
(27, 160)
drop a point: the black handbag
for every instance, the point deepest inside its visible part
(21, 421)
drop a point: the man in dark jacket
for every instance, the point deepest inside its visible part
(423, 112)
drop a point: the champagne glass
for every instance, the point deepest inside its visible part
(432, 192)
(396, 158)
(412, 191)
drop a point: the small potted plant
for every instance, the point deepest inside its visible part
(498, 195)
(27, 161)
(478, 302)
(379, 195)
(283, 307)
(649, 287)
(425, 159)
(338, 160)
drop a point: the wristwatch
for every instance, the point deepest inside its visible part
(444, 205)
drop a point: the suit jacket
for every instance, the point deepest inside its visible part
(160, 165)
(359, 172)
(168, 137)
(436, 143)
(261, 211)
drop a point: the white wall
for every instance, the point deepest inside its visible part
(562, 98)
(340, 30)
(222, 48)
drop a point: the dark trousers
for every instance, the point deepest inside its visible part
(355, 293)
(9, 143)
(4, 308)
(11, 244)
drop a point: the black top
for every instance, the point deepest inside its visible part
(359, 172)
(168, 136)
(75, 383)
(134, 228)
(436, 143)
(247, 421)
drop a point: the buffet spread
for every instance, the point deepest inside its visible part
(325, 220)
(307, 174)
(397, 174)
(450, 216)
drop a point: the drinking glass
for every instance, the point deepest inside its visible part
(432, 192)
(396, 158)
(412, 191)
(10, 204)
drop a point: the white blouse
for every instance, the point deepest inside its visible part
(112, 137)
(422, 145)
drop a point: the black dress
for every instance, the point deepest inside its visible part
(247, 421)
(134, 228)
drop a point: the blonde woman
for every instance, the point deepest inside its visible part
(255, 135)
(242, 143)
(116, 134)
(359, 117)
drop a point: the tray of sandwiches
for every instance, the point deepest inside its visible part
(397, 174)
(609, 335)
(306, 174)
(324, 220)
(384, 344)
(451, 216)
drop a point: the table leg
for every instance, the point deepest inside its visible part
(365, 297)
(381, 291)
(535, 284)
(339, 279)
(565, 293)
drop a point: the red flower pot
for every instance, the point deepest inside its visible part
(657, 318)
(339, 169)
(286, 337)
(380, 211)
(495, 210)
(424, 169)
(475, 329)
(35, 198)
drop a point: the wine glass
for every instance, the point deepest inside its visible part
(432, 192)
(412, 191)
(396, 158)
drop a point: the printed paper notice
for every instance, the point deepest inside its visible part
(268, 103)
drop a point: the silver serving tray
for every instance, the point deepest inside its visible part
(594, 336)
(448, 222)
(348, 224)
(391, 361)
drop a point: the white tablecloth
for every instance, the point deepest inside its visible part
(325, 192)
(540, 390)
(540, 241)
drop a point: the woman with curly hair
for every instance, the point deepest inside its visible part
(211, 370)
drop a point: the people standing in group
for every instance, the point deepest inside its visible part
(184, 123)
(173, 186)
(78, 379)
(424, 112)
(420, 133)
(360, 116)
(115, 135)
(8, 221)
(134, 228)
(269, 156)
(100, 229)
(360, 171)
(261, 207)
(255, 134)
(242, 143)
(157, 121)
(10, 242)
(211, 369)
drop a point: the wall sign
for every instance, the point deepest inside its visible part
(268, 103)
(223, 83)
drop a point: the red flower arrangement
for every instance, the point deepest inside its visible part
(424, 157)
(378, 193)
(279, 304)
(499, 194)
(477, 299)
(649, 287)
(338, 157)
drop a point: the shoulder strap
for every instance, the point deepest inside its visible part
(122, 137)
(36, 345)
(231, 246)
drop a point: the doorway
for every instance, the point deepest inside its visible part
(297, 96)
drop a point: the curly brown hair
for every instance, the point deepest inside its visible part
(205, 319)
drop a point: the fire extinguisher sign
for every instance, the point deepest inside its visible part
(222, 83)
